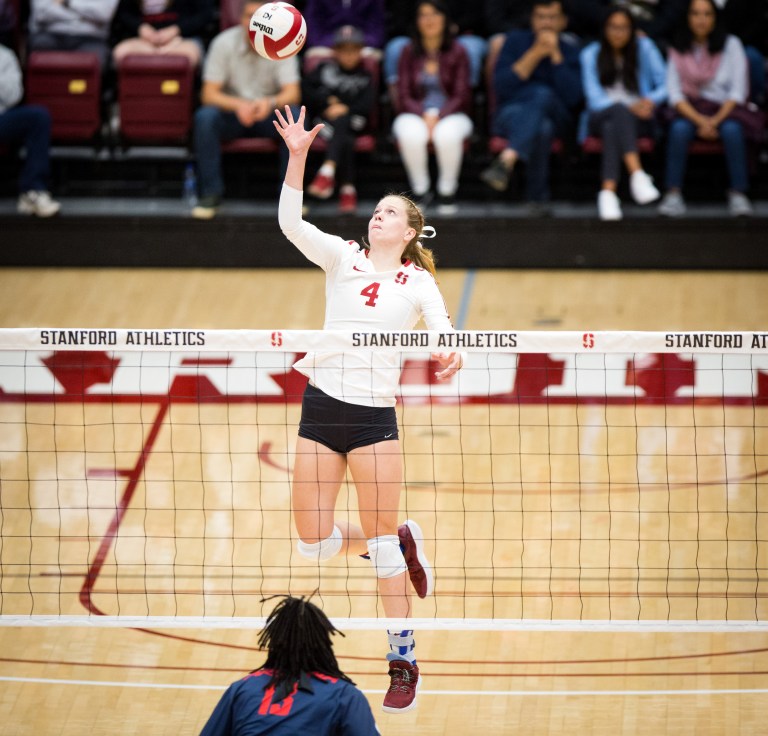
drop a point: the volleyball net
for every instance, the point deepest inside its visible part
(562, 479)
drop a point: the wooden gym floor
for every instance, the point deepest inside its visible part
(136, 681)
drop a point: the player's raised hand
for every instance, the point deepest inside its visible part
(296, 138)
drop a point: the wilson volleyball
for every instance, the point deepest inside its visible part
(277, 31)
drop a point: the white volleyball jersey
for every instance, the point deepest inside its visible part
(357, 297)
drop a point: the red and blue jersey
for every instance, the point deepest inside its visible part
(318, 704)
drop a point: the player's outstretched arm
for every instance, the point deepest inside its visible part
(298, 142)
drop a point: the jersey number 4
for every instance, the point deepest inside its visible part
(372, 293)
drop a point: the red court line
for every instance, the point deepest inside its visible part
(130, 488)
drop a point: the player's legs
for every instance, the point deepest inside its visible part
(317, 477)
(377, 471)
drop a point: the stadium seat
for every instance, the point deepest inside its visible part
(229, 13)
(250, 145)
(594, 145)
(156, 97)
(68, 83)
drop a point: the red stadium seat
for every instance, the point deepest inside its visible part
(156, 97)
(68, 83)
(229, 13)
(250, 145)
(594, 145)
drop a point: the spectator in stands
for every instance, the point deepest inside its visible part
(162, 27)
(240, 92)
(30, 126)
(72, 25)
(624, 77)
(339, 93)
(467, 18)
(658, 19)
(537, 86)
(433, 103)
(325, 17)
(707, 81)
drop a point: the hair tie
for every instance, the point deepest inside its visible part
(428, 232)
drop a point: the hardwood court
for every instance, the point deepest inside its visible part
(530, 564)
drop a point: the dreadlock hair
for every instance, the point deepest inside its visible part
(297, 637)
(609, 72)
(414, 251)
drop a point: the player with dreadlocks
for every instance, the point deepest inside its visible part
(299, 689)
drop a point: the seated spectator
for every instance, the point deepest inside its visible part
(433, 102)
(707, 81)
(240, 93)
(325, 17)
(624, 78)
(658, 19)
(161, 27)
(537, 84)
(72, 25)
(467, 19)
(339, 93)
(30, 126)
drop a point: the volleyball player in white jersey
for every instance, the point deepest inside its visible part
(348, 411)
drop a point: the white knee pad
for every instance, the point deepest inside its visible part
(386, 556)
(323, 550)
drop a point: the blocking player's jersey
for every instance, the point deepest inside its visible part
(357, 297)
(319, 705)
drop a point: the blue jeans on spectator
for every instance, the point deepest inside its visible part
(475, 46)
(214, 126)
(529, 123)
(29, 125)
(682, 131)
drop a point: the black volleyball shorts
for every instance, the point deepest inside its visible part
(342, 426)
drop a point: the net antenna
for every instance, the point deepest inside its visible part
(564, 480)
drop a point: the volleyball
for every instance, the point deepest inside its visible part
(277, 31)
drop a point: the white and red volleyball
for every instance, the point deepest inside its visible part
(277, 31)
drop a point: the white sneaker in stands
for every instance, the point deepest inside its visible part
(739, 205)
(673, 205)
(642, 188)
(608, 205)
(37, 203)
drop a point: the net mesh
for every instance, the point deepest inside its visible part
(561, 477)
